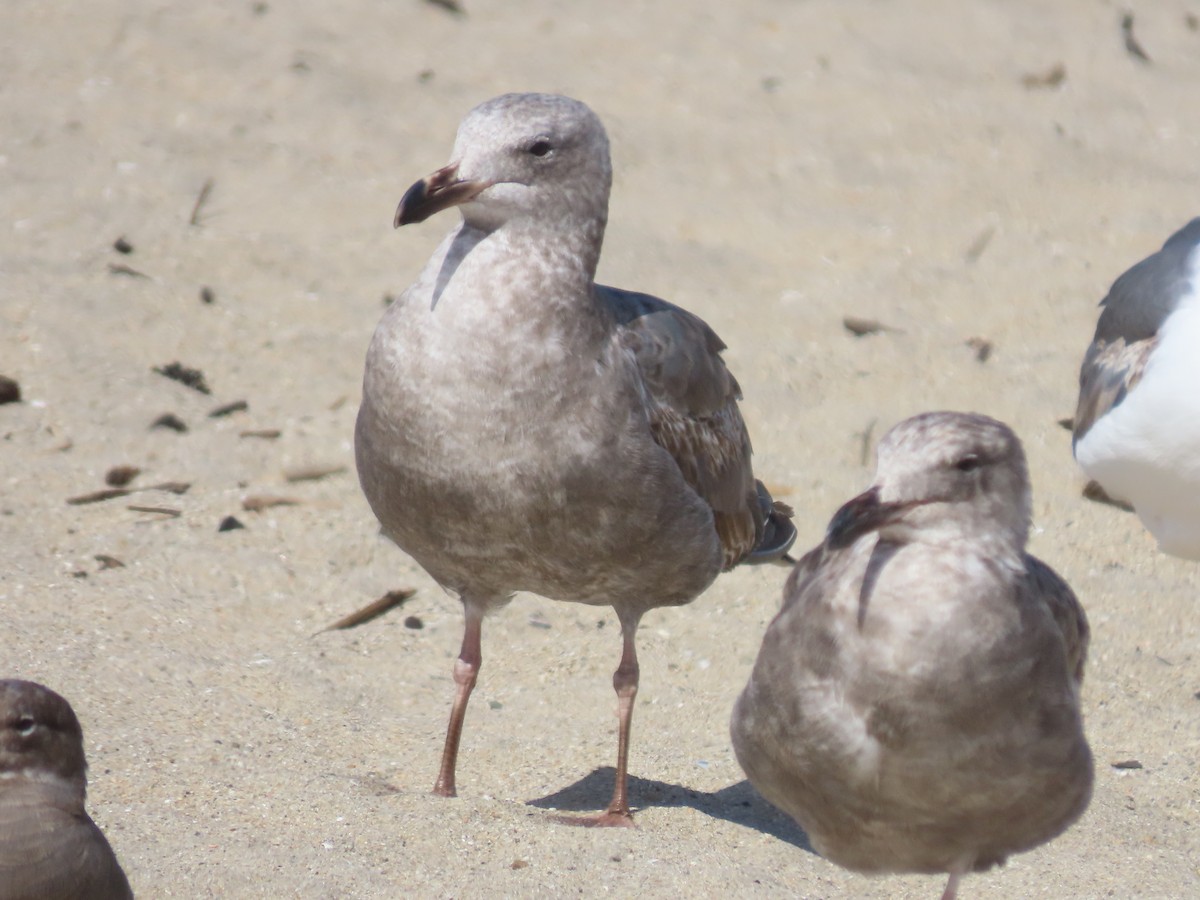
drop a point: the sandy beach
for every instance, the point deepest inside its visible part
(971, 176)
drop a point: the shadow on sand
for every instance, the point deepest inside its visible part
(739, 803)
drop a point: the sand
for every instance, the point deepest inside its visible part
(779, 166)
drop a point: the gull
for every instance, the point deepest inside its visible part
(50, 849)
(1137, 425)
(915, 703)
(523, 428)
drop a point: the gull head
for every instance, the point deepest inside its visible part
(943, 477)
(541, 158)
(40, 735)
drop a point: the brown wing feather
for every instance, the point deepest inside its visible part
(713, 454)
(1067, 611)
(691, 400)
(1111, 369)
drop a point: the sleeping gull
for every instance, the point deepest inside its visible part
(1137, 426)
(525, 429)
(50, 849)
(915, 704)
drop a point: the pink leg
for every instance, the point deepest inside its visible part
(466, 670)
(625, 683)
(952, 886)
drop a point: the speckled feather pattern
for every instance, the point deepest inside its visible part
(1111, 369)
(525, 429)
(915, 704)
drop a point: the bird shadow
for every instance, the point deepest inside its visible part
(739, 803)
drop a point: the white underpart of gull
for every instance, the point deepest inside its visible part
(525, 429)
(915, 703)
(1137, 426)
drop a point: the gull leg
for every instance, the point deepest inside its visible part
(466, 671)
(625, 683)
(952, 885)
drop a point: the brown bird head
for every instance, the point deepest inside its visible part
(39, 734)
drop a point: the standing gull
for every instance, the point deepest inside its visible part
(525, 429)
(915, 704)
(50, 849)
(1137, 426)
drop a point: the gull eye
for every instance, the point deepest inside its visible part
(25, 725)
(968, 463)
(541, 147)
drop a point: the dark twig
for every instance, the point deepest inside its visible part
(388, 601)
(205, 190)
(1131, 44)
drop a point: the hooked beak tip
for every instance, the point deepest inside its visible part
(434, 193)
(864, 514)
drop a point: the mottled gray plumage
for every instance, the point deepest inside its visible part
(915, 704)
(523, 428)
(1133, 311)
(50, 849)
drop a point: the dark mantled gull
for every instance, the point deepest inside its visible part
(915, 703)
(525, 429)
(50, 849)
(1137, 426)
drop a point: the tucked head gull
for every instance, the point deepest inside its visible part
(524, 428)
(915, 704)
(50, 849)
(1137, 425)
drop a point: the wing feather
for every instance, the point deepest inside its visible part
(1067, 611)
(692, 405)
(1111, 369)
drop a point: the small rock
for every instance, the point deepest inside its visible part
(862, 327)
(170, 420)
(119, 476)
(185, 375)
(982, 348)
(10, 391)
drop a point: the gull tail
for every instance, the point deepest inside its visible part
(778, 532)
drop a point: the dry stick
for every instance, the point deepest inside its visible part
(159, 510)
(259, 503)
(173, 487)
(311, 473)
(122, 269)
(205, 190)
(864, 450)
(388, 601)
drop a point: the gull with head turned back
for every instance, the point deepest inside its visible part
(525, 429)
(915, 703)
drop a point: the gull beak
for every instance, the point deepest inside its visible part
(436, 192)
(863, 514)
